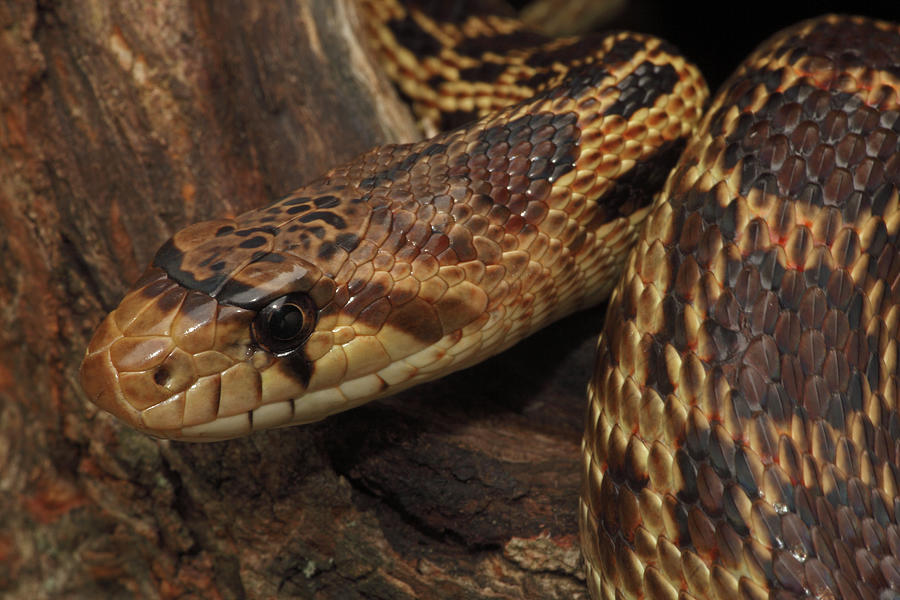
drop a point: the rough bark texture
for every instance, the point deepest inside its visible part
(121, 122)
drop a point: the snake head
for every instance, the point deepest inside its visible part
(233, 329)
(213, 340)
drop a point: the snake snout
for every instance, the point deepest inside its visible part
(141, 380)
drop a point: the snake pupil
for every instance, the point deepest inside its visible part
(285, 323)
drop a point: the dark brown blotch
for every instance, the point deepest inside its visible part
(418, 319)
(299, 209)
(331, 218)
(641, 88)
(254, 242)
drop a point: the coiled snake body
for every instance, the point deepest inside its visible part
(741, 433)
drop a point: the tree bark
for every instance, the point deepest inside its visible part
(121, 122)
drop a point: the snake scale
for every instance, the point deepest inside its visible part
(742, 436)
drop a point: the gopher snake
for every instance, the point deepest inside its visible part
(742, 414)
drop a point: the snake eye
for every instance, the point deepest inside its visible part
(285, 323)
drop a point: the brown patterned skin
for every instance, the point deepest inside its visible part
(413, 260)
(742, 435)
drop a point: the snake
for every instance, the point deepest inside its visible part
(741, 426)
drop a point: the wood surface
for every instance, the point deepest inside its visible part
(121, 122)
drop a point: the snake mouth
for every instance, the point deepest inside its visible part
(172, 396)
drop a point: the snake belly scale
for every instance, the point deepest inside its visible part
(740, 432)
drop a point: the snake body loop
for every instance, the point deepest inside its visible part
(740, 437)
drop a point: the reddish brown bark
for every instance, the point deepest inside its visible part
(123, 121)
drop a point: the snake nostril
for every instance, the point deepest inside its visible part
(161, 376)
